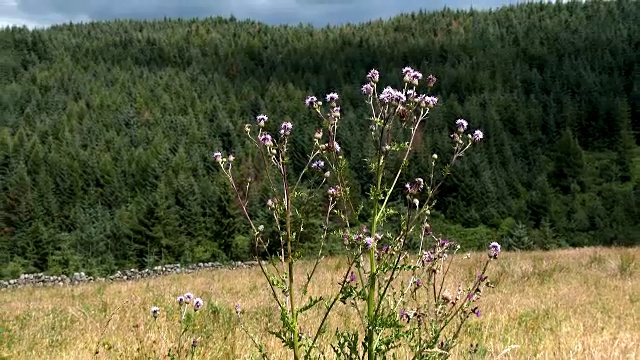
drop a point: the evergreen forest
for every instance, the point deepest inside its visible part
(107, 129)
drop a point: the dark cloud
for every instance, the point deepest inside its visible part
(318, 12)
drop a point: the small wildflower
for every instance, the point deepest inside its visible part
(352, 277)
(155, 311)
(494, 250)
(311, 101)
(373, 76)
(318, 134)
(188, 297)
(427, 257)
(217, 156)
(431, 101)
(271, 204)
(434, 157)
(431, 80)
(261, 119)
(238, 309)
(368, 242)
(261, 228)
(482, 277)
(180, 300)
(194, 343)
(332, 97)
(317, 165)
(477, 135)
(477, 311)
(230, 158)
(266, 139)
(461, 124)
(446, 297)
(285, 128)
(411, 76)
(367, 89)
(415, 187)
(390, 94)
(335, 113)
(334, 146)
(418, 283)
(197, 304)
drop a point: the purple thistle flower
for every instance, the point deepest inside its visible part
(427, 257)
(368, 242)
(188, 297)
(238, 309)
(266, 139)
(335, 146)
(261, 119)
(415, 187)
(367, 89)
(390, 94)
(430, 101)
(477, 135)
(217, 156)
(285, 128)
(335, 113)
(194, 343)
(311, 101)
(418, 283)
(352, 277)
(271, 204)
(431, 80)
(444, 242)
(155, 311)
(357, 238)
(180, 300)
(477, 311)
(482, 277)
(461, 124)
(317, 165)
(332, 97)
(494, 250)
(373, 76)
(197, 304)
(333, 192)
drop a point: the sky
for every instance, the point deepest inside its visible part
(42, 13)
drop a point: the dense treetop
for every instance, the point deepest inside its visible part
(107, 129)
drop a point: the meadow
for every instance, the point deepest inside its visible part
(564, 304)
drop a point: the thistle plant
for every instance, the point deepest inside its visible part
(402, 297)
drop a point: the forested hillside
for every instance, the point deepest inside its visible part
(107, 129)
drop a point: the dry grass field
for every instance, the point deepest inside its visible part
(568, 304)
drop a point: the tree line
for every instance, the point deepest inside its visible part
(107, 128)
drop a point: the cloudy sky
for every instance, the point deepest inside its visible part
(37, 13)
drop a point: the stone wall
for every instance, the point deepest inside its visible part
(42, 280)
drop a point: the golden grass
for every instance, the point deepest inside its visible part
(568, 304)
